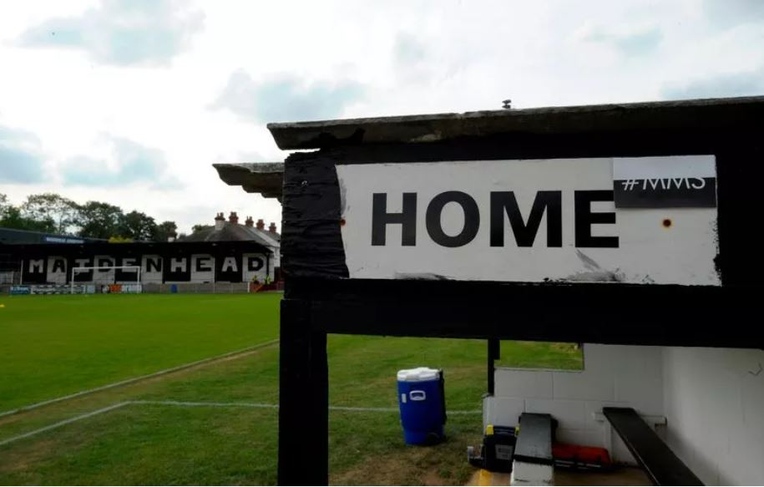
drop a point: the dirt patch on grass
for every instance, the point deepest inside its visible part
(22, 459)
(411, 466)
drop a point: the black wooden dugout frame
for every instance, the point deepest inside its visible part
(320, 299)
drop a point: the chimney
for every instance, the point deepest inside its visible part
(172, 236)
(260, 224)
(233, 218)
(219, 221)
(272, 228)
(249, 222)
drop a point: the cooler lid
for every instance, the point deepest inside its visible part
(418, 374)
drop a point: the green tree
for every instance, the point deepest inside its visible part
(4, 205)
(13, 218)
(99, 220)
(47, 207)
(53, 213)
(165, 230)
(137, 226)
(120, 240)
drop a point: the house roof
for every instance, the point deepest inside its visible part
(233, 232)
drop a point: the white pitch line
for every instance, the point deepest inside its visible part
(395, 410)
(65, 422)
(198, 405)
(276, 406)
(137, 379)
(191, 404)
(362, 409)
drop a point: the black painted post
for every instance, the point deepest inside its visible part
(494, 353)
(303, 399)
(319, 420)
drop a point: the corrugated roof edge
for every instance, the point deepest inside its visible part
(709, 112)
(265, 178)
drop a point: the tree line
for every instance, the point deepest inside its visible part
(53, 213)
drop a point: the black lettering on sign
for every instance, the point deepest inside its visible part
(83, 263)
(203, 264)
(525, 233)
(82, 276)
(229, 268)
(178, 264)
(585, 219)
(35, 271)
(126, 274)
(177, 269)
(255, 264)
(36, 266)
(229, 265)
(435, 225)
(59, 265)
(153, 264)
(380, 218)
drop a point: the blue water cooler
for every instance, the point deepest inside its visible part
(422, 404)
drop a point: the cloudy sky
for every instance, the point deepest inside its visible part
(132, 101)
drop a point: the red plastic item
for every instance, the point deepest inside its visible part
(583, 457)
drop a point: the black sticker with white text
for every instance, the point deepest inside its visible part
(665, 182)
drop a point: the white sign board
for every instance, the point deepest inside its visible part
(529, 221)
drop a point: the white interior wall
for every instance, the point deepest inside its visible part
(714, 403)
(613, 375)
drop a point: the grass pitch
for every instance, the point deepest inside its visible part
(216, 424)
(52, 346)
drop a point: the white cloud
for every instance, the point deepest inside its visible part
(723, 14)
(639, 42)
(21, 161)
(129, 164)
(119, 32)
(744, 83)
(285, 98)
(302, 60)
